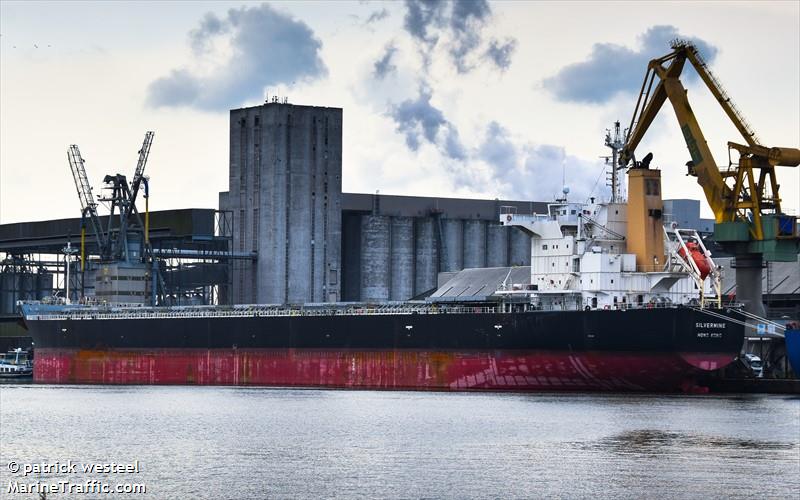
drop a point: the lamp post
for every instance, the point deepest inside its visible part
(68, 253)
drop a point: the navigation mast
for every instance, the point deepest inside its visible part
(615, 143)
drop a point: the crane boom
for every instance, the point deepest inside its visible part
(88, 205)
(744, 196)
(118, 243)
(748, 196)
(717, 89)
(144, 153)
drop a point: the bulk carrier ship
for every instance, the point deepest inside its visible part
(616, 301)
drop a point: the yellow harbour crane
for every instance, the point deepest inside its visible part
(744, 195)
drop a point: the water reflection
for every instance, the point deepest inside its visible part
(655, 442)
(233, 442)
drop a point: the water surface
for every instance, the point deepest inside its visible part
(233, 442)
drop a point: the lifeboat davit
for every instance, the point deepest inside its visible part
(699, 258)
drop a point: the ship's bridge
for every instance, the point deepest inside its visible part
(536, 225)
(567, 214)
(545, 226)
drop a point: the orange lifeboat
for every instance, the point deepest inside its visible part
(699, 258)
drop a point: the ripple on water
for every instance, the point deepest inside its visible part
(228, 442)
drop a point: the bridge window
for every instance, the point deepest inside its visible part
(651, 187)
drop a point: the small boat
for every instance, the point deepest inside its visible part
(16, 364)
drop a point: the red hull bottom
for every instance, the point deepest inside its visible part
(367, 369)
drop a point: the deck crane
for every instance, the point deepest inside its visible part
(113, 240)
(138, 179)
(744, 195)
(88, 205)
(123, 199)
(138, 175)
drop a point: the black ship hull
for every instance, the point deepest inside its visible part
(636, 349)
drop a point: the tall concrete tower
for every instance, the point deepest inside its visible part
(285, 193)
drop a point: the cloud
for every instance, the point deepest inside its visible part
(452, 144)
(611, 68)
(179, 88)
(384, 65)
(500, 53)
(376, 16)
(419, 120)
(554, 169)
(210, 25)
(421, 16)
(535, 172)
(497, 149)
(500, 163)
(466, 21)
(267, 47)
(460, 22)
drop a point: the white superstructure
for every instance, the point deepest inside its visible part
(580, 258)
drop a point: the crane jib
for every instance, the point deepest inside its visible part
(691, 144)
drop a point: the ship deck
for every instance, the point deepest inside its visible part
(37, 311)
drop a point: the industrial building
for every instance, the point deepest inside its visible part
(394, 247)
(285, 232)
(686, 213)
(285, 196)
(194, 258)
(317, 244)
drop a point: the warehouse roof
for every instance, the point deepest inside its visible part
(480, 284)
(53, 234)
(423, 206)
(777, 278)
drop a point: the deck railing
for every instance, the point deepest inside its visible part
(249, 311)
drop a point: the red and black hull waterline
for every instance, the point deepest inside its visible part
(659, 350)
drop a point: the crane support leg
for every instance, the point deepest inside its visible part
(749, 268)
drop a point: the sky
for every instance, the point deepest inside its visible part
(470, 99)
